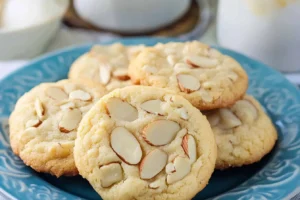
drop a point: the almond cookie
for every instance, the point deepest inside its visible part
(44, 123)
(204, 76)
(145, 143)
(107, 65)
(244, 133)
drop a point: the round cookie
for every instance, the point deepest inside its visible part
(201, 74)
(107, 65)
(244, 133)
(44, 123)
(145, 143)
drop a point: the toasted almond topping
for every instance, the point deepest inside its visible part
(179, 66)
(155, 184)
(153, 163)
(80, 95)
(121, 110)
(33, 123)
(110, 174)
(213, 118)
(169, 98)
(150, 69)
(160, 132)
(182, 166)
(56, 93)
(171, 59)
(121, 74)
(188, 83)
(70, 120)
(232, 76)
(126, 145)
(229, 120)
(69, 105)
(85, 109)
(69, 87)
(39, 109)
(245, 110)
(104, 74)
(153, 106)
(183, 113)
(200, 61)
(170, 168)
(209, 85)
(189, 146)
(206, 97)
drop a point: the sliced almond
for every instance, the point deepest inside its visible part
(150, 69)
(126, 145)
(153, 106)
(85, 109)
(183, 113)
(104, 74)
(205, 96)
(188, 83)
(171, 59)
(39, 109)
(134, 50)
(121, 74)
(232, 76)
(170, 168)
(121, 110)
(153, 163)
(213, 118)
(80, 95)
(160, 132)
(69, 87)
(229, 120)
(182, 167)
(209, 84)
(33, 123)
(201, 61)
(110, 174)
(189, 146)
(180, 66)
(70, 120)
(245, 110)
(69, 105)
(56, 93)
(155, 184)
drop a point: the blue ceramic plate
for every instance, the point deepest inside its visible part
(277, 176)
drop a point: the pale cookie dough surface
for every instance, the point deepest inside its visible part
(107, 65)
(145, 143)
(244, 133)
(204, 76)
(44, 123)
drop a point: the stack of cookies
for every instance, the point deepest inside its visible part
(143, 122)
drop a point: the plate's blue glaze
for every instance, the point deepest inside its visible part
(277, 176)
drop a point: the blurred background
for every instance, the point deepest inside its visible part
(266, 30)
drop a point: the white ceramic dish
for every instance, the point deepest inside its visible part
(265, 30)
(131, 16)
(27, 42)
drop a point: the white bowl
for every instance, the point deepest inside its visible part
(131, 16)
(28, 42)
